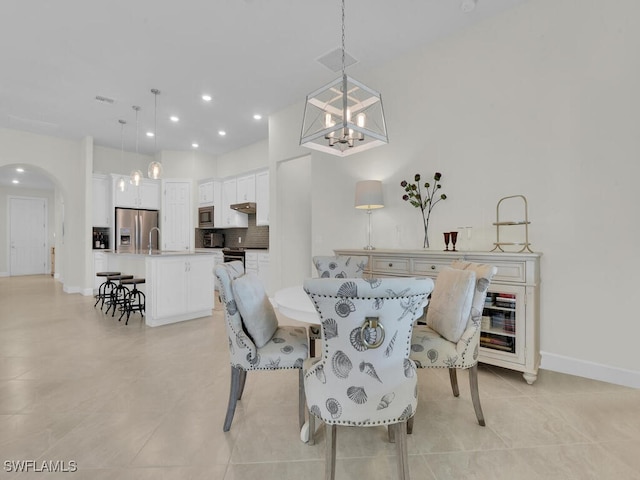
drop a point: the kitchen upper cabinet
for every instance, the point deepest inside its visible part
(231, 218)
(101, 196)
(246, 188)
(146, 195)
(262, 198)
(176, 215)
(206, 192)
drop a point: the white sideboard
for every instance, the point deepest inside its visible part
(510, 326)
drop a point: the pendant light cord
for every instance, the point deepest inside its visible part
(137, 109)
(155, 121)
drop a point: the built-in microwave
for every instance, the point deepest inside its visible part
(205, 217)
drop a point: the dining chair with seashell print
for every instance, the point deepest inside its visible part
(336, 266)
(364, 377)
(451, 337)
(256, 341)
(340, 266)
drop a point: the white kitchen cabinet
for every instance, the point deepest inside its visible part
(101, 196)
(258, 262)
(263, 269)
(246, 188)
(100, 264)
(251, 262)
(509, 335)
(206, 192)
(262, 198)
(177, 223)
(146, 195)
(231, 218)
(181, 287)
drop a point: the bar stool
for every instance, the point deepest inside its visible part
(119, 292)
(105, 288)
(135, 299)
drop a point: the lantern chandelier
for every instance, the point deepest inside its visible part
(344, 116)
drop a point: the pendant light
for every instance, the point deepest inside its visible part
(343, 117)
(155, 167)
(136, 175)
(121, 181)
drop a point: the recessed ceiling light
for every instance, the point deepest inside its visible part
(173, 118)
(257, 116)
(222, 133)
(150, 134)
(15, 181)
(20, 170)
(195, 145)
(206, 98)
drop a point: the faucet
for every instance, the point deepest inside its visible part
(150, 232)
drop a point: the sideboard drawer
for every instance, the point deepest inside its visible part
(429, 267)
(393, 265)
(510, 272)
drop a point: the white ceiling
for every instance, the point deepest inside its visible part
(252, 56)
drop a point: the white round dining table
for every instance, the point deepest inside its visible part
(293, 302)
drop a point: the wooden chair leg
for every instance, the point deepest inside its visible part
(236, 373)
(391, 431)
(453, 377)
(410, 426)
(401, 449)
(243, 379)
(475, 394)
(330, 452)
(312, 429)
(301, 399)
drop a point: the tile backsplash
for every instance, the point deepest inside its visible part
(251, 237)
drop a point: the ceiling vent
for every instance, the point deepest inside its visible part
(101, 99)
(333, 60)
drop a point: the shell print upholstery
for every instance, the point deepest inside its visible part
(354, 383)
(340, 266)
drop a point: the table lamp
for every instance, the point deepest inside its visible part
(369, 197)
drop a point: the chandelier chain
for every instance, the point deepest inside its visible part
(343, 40)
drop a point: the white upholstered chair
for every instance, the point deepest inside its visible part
(340, 266)
(364, 377)
(451, 337)
(256, 341)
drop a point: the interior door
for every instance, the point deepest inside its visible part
(27, 236)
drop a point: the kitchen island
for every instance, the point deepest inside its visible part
(178, 285)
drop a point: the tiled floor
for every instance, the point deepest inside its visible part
(133, 402)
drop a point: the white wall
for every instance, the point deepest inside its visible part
(541, 101)
(252, 157)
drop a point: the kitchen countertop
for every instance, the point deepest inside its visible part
(162, 253)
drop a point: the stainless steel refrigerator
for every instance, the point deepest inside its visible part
(132, 230)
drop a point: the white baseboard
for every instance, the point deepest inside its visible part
(594, 371)
(70, 289)
(4, 274)
(87, 292)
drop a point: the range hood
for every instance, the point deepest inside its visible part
(246, 207)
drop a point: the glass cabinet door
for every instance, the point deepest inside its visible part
(502, 332)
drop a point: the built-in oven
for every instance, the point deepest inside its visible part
(233, 254)
(205, 217)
